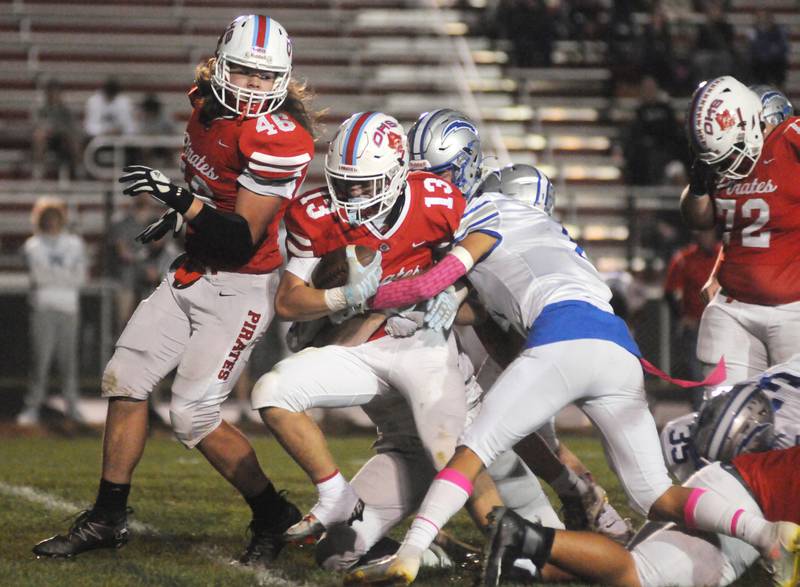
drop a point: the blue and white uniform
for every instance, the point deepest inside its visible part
(781, 383)
(577, 350)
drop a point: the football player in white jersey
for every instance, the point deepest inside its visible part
(528, 271)
(446, 142)
(735, 431)
(781, 383)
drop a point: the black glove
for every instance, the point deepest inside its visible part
(702, 179)
(146, 180)
(169, 220)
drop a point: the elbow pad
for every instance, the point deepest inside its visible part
(225, 233)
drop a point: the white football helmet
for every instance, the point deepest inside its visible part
(775, 106)
(447, 139)
(366, 166)
(724, 124)
(257, 42)
(522, 182)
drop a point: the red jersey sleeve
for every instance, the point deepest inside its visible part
(774, 479)
(276, 152)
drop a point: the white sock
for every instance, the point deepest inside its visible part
(706, 510)
(337, 499)
(569, 484)
(448, 494)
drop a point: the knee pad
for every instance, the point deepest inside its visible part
(126, 376)
(193, 420)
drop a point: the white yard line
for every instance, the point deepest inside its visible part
(51, 502)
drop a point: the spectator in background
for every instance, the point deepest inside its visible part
(154, 121)
(527, 24)
(109, 111)
(688, 272)
(769, 50)
(657, 54)
(57, 264)
(715, 52)
(653, 138)
(55, 129)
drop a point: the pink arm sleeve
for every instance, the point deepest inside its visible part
(404, 292)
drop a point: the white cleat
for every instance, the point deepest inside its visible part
(310, 529)
(613, 525)
(28, 417)
(783, 559)
(389, 570)
(305, 532)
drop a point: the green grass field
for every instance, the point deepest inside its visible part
(191, 523)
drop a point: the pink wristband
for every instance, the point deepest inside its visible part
(404, 292)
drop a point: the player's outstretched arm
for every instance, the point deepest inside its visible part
(455, 264)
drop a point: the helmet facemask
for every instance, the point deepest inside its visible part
(245, 101)
(358, 199)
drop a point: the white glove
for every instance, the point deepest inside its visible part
(399, 326)
(441, 310)
(362, 283)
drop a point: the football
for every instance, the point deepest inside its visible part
(331, 271)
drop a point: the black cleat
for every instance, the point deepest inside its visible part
(92, 529)
(512, 537)
(266, 542)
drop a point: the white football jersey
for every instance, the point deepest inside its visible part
(781, 383)
(535, 262)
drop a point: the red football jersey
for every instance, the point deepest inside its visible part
(774, 478)
(688, 272)
(761, 219)
(430, 214)
(268, 155)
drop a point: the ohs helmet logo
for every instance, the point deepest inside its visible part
(725, 120)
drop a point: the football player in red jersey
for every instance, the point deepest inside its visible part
(247, 148)
(731, 432)
(371, 200)
(744, 181)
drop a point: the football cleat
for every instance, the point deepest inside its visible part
(582, 513)
(512, 537)
(389, 570)
(91, 530)
(266, 542)
(309, 529)
(783, 560)
(611, 524)
(305, 532)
